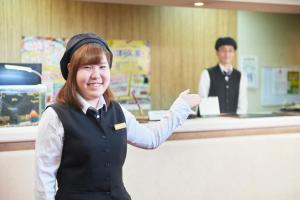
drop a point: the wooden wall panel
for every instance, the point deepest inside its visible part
(182, 39)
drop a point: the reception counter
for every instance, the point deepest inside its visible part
(224, 158)
(237, 126)
(210, 127)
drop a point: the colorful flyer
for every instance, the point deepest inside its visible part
(48, 51)
(293, 82)
(131, 72)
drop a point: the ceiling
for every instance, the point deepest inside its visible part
(278, 6)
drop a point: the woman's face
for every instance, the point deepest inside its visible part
(93, 80)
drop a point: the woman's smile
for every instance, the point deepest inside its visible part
(95, 84)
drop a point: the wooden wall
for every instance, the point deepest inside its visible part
(181, 39)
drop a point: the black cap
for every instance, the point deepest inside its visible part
(77, 41)
(225, 41)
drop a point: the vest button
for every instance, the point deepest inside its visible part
(227, 86)
(104, 136)
(97, 116)
(106, 150)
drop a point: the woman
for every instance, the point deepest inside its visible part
(83, 138)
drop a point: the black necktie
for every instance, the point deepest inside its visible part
(227, 75)
(95, 113)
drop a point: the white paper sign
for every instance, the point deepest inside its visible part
(209, 106)
(248, 66)
(279, 81)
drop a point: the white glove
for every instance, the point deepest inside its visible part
(191, 99)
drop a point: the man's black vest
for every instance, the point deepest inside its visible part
(226, 91)
(93, 154)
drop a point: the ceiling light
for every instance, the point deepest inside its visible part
(198, 4)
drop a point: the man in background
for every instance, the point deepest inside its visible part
(225, 82)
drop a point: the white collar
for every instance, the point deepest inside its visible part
(223, 69)
(86, 105)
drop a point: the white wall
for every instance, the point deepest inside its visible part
(274, 39)
(235, 168)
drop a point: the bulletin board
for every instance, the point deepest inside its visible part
(280, 85)
(130, 73)
(48, 51)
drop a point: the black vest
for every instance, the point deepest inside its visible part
(93, 154)
(226, 91)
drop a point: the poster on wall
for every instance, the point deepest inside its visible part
(249, 68)
(280, 85)
(131, 72)
(293, 82)
(279, 81)
(285, 81)
(48, 51)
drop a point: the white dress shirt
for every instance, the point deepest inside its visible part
(49, 142)
(204, 85)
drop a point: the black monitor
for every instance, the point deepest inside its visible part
(20, 73)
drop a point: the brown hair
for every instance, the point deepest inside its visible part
(87, 54)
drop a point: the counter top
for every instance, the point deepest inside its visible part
(233, 123)
(196, 128)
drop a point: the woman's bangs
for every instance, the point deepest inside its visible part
(91, 55)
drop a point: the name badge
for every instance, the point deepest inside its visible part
(120, 126)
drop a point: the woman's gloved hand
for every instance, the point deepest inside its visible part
(191, 99)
